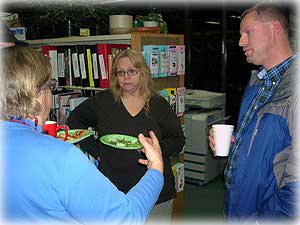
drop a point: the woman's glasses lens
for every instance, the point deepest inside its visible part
(121, 73)
(53, 84)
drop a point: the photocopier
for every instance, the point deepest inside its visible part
(203, 109)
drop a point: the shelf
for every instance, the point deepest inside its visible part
(75, 40)
(161, 83)
(82, 88)
(138, 39)
(169, 81)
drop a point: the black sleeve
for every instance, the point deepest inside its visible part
(83, 117)
(172, 140)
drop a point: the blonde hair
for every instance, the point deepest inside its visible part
(147, 84)
(24, 70)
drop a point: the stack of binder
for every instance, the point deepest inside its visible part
(82, 65)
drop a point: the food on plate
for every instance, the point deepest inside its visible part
(73, 135)
(123, 142)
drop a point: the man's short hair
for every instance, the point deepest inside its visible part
(270, 12)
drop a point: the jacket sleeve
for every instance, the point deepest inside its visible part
(172, 140)
(83, 117)
(284, 201)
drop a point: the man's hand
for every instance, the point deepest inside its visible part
(212, 140)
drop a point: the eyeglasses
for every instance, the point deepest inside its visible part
(52, 84)
(131, 72)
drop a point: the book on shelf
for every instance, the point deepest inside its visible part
(146, 54)
(172, 60)
(151, 55)
(115, 52)
(104, 52)
(69, 72)
(95, 65)
(154, 60)
(180, 101)
(163, 61)
(176, 98)
(109, 61)
(163, 93)
(76, 77)
(55, 105)
(61, 65)
(180, 59)
(93, 68)
(172, 92)
(51, 53)
(74, 102)
(63, 110)
(178, 172)
(82, 57)
(54, 102)
(90, 71)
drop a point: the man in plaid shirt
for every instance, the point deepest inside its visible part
(261, 171)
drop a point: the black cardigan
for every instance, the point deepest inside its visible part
(109, 117)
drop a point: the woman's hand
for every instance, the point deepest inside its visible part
(152, 151)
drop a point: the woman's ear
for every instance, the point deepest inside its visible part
(37, 92)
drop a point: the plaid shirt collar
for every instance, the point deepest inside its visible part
(275, 72)
(271, 79)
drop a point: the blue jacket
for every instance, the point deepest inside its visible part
(266, 171)
(48, 180)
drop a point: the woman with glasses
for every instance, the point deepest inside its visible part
(131, 106)
(48, 180)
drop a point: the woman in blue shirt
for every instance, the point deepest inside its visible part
(46, 179)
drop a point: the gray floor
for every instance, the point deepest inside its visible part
(204, 202)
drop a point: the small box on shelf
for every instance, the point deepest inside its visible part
(19, 32)
(178, 172)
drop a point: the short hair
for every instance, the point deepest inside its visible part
(23, 71)
(147, 88)
(267, 12)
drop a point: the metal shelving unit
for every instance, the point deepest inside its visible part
(108, 39)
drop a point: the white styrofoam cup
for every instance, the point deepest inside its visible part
(222, 136)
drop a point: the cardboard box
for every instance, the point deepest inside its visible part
(5, 16)
(84, 32)
(19, 32)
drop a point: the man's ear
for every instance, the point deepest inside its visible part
(276, 28)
